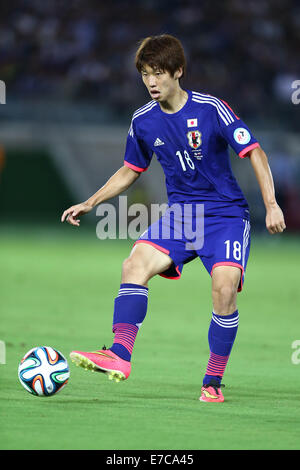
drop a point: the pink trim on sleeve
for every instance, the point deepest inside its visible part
(225, 102)
(243, 153)
(135, 168)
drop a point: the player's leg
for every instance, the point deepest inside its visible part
(152, 254)
(144, 262)
(156, 252)
(225, 282)
(222, 330)
(225, 258)
(130, 306)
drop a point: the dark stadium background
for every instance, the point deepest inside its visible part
(71, 89)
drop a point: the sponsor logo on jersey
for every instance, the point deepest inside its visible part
(241, 136)
(158, 142)
(194, 138)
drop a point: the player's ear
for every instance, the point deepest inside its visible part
(178, 74)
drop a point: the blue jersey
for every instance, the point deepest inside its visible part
(192, 148)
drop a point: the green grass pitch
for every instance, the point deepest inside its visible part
(57, 289)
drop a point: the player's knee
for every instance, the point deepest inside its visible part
(225, 290)
(134, 270)
(224, 296)
(130, 265)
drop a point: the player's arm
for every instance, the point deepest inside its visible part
(119, 182)
(274, 216)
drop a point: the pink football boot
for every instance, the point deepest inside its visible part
(104, 361)
(211, 392)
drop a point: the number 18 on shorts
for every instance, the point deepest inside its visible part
(231, 248)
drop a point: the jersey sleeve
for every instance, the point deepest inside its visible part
(234, 130)
(137, 155)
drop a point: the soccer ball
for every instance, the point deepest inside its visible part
(43, 371)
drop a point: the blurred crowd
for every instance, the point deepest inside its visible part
(245, 52)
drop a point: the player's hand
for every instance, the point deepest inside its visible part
(275, 220)
(71, 215)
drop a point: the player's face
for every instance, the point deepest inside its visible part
(160, 84)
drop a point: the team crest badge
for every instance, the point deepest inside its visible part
(194, 138)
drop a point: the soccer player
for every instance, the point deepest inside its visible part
(190, 133)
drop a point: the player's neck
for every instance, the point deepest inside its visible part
(174, 102)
